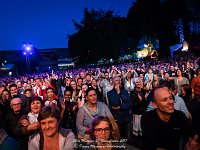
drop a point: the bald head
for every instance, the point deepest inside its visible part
(158, 92)
(163, 101)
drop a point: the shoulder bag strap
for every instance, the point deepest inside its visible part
(87, 111)
(41, 141)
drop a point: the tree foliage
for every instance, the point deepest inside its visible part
(104, 34)
(100, 35)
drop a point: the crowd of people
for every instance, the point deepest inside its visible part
(149, 104)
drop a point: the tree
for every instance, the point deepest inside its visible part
(100, 34)
(155, 19)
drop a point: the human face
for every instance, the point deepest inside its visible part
(67, 95)
(84, 87)
(129, 74)
(1, 89)
(49, 126)
(36, 106)
(94, 83)
(28, 86)
(37, 82)
(15, 104)
(68, 81)
(50, 93)
(161, 71)
(138, 83)
(179, 73)
(80, 82)
(5, 95)
(150, 71)
(117, 81)
(32, 80)
(73, 85)
(19, 84)
(163, 103)
(102, 131)
(123, 73)
(88, 78)
(24, 85)
(171, 68)
(141, 76)
(28, 93)
(166, 75)
(106, 75)
(92, 97)
(82, 75)
(183, 93)
(155, 77)
(13, 90)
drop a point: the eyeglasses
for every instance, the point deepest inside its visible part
(100, 130)
(14, 105)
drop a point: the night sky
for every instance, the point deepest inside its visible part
(46, 23)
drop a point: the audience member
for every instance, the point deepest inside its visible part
(164, 127)
(51, 135)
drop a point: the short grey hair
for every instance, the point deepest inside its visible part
(137, 79)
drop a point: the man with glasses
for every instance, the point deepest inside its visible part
(16, 122)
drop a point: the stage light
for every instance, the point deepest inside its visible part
(10, 73)
(28, 48)
(27, 51)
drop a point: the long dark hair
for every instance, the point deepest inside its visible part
(188, 91)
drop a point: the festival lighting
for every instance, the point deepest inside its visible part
(27, 51)
(185, 46)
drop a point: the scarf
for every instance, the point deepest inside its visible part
(3, 136)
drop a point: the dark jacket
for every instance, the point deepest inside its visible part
(159, 134)
(122, 99)
(69, 117)
(16, 130)
(138, 106)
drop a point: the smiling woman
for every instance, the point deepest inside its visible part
(51, 136)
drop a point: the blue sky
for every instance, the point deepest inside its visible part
(46, 23)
